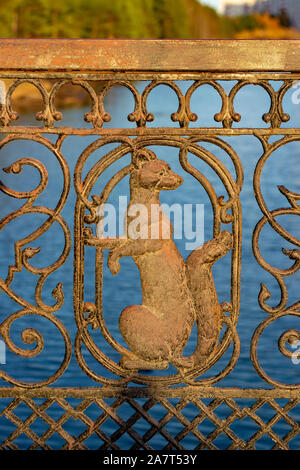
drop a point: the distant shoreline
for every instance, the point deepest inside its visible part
(26, 98)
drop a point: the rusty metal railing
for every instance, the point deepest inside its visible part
(97, 66)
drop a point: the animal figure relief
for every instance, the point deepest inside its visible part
(176, 294)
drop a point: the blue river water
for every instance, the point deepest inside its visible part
(118, 292)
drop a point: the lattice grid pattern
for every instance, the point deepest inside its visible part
(142, 423)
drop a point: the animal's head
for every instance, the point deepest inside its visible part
(150, 173)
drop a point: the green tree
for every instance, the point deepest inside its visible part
(136, 19)
(172, 18)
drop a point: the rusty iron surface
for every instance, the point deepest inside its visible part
(142, 404)
(155, 337)
(153, 55)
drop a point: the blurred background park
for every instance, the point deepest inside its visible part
(141, 19)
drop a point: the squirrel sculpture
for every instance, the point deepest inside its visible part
(176, 294)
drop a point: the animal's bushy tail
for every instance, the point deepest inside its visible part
(201, 284)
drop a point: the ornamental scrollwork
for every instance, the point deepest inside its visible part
(282, 309)
(24, 252)
(98, 116)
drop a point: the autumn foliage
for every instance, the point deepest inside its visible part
(136, 19)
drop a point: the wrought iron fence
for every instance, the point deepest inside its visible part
(143, 413)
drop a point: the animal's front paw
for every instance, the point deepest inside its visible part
(113, 264)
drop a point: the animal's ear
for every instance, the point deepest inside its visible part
(140, 157)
